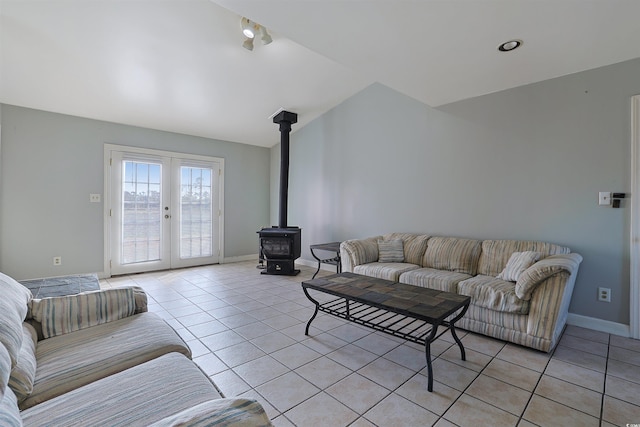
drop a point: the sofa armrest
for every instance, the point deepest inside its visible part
(543, 269)
(358, 251)
(549, 306)
(61, 315)
(140, 297)
(227, 412)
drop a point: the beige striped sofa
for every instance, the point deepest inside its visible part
(522, 302)
(100, 359)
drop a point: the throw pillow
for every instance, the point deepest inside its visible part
(518, 262)
(390, 250)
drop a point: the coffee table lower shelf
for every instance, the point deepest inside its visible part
(420, 331)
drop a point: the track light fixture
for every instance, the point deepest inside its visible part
(250, 29)
(248, 43)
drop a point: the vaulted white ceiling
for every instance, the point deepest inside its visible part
(178, 65)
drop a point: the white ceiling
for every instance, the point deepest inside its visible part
(178, 65)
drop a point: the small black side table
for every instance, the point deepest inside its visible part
(62, 285)
(334, 260)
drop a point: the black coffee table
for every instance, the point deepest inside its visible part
(409, 312)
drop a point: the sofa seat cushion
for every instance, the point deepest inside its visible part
(141, 395)
(220, 412)
(494, 294)
(69, 361)
(384, 270)
(432, 278)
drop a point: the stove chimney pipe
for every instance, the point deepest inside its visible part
(285, 119)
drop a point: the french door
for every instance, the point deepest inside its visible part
(164, 210)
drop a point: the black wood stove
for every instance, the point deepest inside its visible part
(280, 245)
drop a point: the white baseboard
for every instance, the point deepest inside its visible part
(241, 258)
(599, 325)
(307, 263)
(314, 264)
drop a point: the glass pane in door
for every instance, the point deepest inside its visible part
(141, 212)
(196, 224)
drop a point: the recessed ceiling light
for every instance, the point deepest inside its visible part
(510, 45)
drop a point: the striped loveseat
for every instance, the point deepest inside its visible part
(520, 290)
(100, 359)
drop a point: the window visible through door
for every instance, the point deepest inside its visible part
(196, 225)
(141, 212)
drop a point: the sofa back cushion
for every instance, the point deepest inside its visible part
(414, 246)
(496, 253)
(13, 310)
(24, 373)
(452, 254)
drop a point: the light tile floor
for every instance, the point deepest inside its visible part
(246, 331)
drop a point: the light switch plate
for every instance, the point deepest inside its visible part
(604, 198)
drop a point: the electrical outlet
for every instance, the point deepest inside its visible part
(94, 198)
(604, 294)
(57, 260)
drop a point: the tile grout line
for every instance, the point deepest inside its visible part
(533, 391)
(604, 385)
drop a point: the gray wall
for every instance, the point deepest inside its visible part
(525, 163)
(52, 162)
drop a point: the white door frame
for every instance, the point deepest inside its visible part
(108, 194)
(634, 285)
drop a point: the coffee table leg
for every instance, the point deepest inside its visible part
(452, 323)
(315, 313)
(463, 355)
(427, 351)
